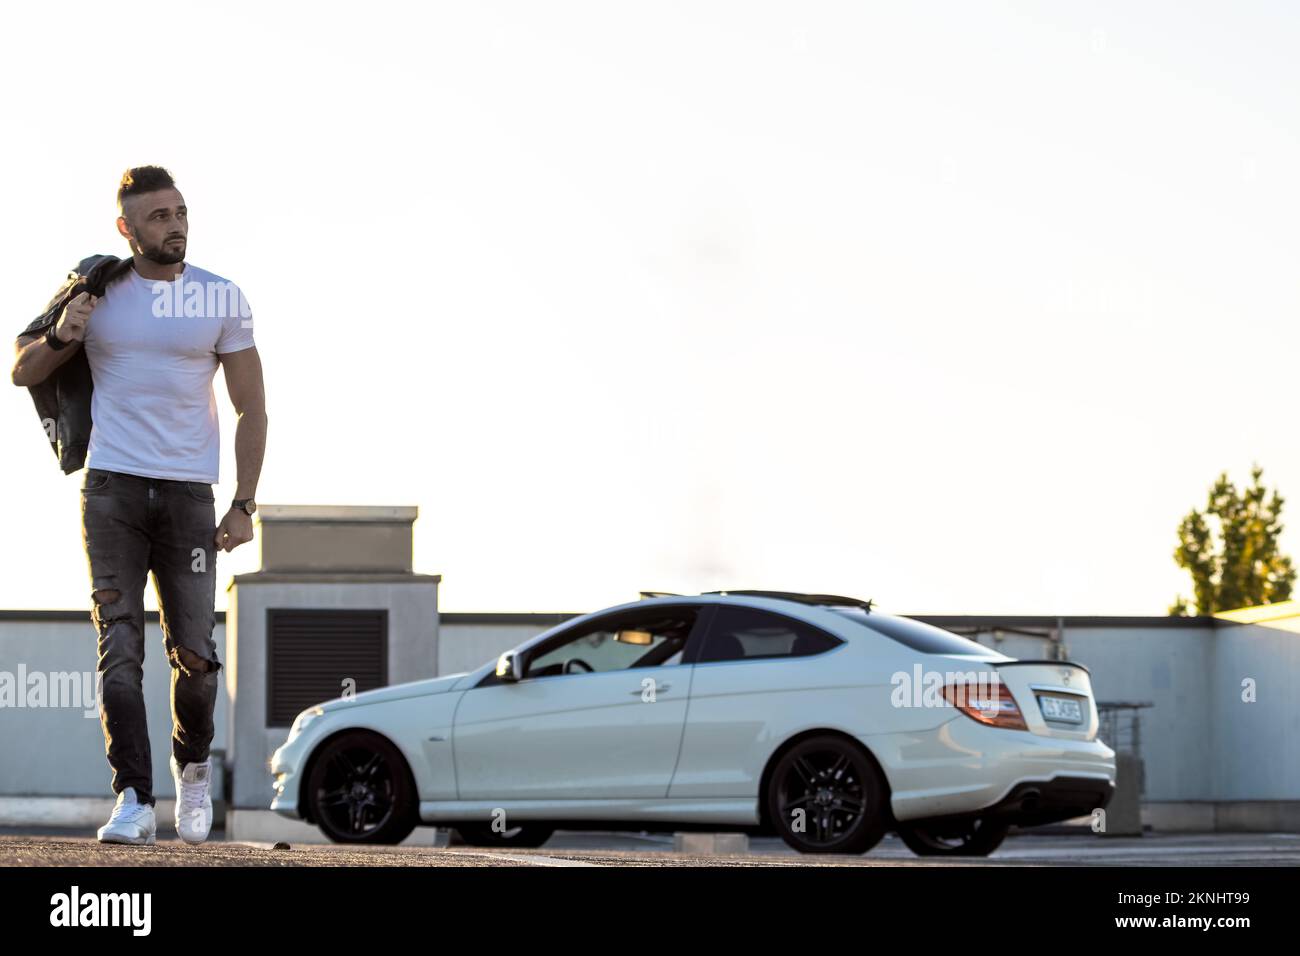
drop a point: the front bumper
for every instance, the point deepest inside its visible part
(285, 779)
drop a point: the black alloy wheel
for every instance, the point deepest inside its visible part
(978, 837)
(360, 790)
(825, 795)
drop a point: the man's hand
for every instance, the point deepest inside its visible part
(35, 359)
(71, 326)
(235, 529)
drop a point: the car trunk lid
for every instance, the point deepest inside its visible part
(1055, 697)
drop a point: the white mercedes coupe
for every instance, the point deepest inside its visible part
(813, 717)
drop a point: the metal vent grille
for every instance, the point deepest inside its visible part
(310, 653)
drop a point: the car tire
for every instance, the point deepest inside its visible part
(359, 790)
(839, 788)
(528, 835)
(978, 837)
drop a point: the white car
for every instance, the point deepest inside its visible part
(814, 717)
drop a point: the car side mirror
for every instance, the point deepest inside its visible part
(510, 666)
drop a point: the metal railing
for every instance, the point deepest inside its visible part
(1120, 728)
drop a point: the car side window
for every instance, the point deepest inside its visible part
(639, 639)
(743, 633)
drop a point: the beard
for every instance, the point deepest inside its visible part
(166, 254)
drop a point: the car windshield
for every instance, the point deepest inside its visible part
(917, 635)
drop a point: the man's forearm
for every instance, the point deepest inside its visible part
(34, 360)
(250, 446)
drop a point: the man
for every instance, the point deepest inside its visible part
(153, 342)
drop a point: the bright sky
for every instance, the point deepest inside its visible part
(960, 306)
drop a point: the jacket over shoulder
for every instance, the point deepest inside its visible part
(63, 400)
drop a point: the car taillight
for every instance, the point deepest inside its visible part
(992, 704)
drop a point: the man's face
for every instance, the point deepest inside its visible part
(156, 225)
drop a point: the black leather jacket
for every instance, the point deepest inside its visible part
(63, 399)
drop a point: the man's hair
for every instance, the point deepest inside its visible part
(143, 179)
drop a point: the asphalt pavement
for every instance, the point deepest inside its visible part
(47, 847)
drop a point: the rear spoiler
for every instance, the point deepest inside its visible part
(1046, 663)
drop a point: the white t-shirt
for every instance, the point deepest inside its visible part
(152, 345)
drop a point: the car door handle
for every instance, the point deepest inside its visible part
(657, 689)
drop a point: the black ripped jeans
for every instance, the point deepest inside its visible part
(130, 526)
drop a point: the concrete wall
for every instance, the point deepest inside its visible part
(1257, 744)
(59, 750)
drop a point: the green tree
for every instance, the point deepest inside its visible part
(1231, 549)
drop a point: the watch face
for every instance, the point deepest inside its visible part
(250, 506)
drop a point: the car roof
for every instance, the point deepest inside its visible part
(813, 608)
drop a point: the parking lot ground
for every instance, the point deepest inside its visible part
(46, 847)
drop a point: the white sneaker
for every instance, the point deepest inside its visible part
(132, 822)
(193, 801)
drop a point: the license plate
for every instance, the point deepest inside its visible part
(1061, 708)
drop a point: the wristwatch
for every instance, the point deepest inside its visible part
(53, 340)
(246, 505)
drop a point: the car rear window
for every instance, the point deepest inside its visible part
(748, 633)
(917, 635)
